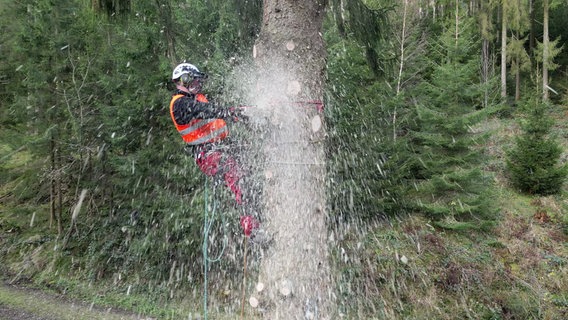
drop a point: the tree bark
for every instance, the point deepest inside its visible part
(457, 17)
(485, 70)
(545, 52)
(290, 61)
(52, 181)
(518, 63)
(59, 195)
(485, 13)
(518, 83)
(402, 43)
(504, 53)
(531, 33)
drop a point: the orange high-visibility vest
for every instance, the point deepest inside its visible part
(199, 131)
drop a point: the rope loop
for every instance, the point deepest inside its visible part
(207, 224)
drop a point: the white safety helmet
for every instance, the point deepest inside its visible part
(186, 68)
(189, 77)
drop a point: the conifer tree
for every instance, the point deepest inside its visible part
(448, 182)
(360, 112)
(533, 164)
(363, 21)
(86, 101)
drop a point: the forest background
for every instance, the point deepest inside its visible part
(427, 106)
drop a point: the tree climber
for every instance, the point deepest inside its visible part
(203, 128)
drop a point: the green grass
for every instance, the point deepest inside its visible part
(48, 306)
(412, 270)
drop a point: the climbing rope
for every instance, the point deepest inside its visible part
(208, 220)
(244, 280)
(207, 223)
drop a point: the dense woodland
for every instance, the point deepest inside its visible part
(95, 182)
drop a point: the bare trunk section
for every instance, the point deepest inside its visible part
(59, 213)
(55, 189)
(52, 181)
(518, 84)
(545, 51)
(457, 15)
(290, 59)
(517, 62)
(532, 32)
(504, 54)
(485, 70)
(401, 66)
(402, 42)
(485, 24)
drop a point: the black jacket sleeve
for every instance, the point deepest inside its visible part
(187, 108)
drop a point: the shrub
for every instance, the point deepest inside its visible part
(533, 164)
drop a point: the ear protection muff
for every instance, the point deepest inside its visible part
(185, 78)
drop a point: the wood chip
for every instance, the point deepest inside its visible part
(253, 302)
(290, 45)
(285, 288)
(316, 123)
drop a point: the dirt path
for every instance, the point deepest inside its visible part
(21, 303)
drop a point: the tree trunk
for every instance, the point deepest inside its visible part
(290, 59)
(518, 73)
(52, 181)
(504, 53)
(457, 17)
(531, 33)
(59, 196)
(545, 53)
(486, 12)
(401, 66)
(518, 83)
(485, 70)
(401, 52)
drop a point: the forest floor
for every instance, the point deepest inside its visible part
(20, 302)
